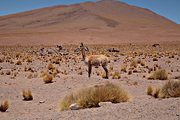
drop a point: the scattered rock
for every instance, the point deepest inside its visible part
(41, 101)
(101, 104)
(74, 106)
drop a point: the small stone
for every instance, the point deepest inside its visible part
(74, 106)
(101, 104)
(41, 101)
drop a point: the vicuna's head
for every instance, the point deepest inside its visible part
(83, 49)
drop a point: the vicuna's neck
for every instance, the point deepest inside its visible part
(83, 54)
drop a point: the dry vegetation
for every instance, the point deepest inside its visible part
(47, 78)
(27, 95)
(91, 97)
(170, 89)
(159, 74)
(24, 67)
(150, 90)
(4, 106)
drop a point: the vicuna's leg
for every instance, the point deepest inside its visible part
(89, 70)
(106, 70)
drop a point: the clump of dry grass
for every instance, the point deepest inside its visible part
(160, 74)
(103, 75)
(155, 59)
(50, 66)
(80, 73)
(116, 75)
(47, 78)
(124, 68)
(91, 97)
(170, 89)
(129, 72)
(143, 63)
(8, 72)
(134, 64)
(156, 92)
(27, 95)
(4, 106)
(150, 90)
(54, 72)
(29, 60)
(18, 62)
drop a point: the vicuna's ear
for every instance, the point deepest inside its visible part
(81, 45)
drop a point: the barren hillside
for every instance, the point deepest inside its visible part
(105, 21)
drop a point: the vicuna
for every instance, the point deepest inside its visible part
(94, 60)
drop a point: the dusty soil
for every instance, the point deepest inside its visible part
(47, 97)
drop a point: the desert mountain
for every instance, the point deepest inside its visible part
(101, 22)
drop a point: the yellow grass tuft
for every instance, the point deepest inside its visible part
(129, 72)
(160, 74)
(27, 95)
(170, 89)
(133, 64)
(50, 66)
(103, 75)
(4, 106)
(18, 63)
(116, 75)
(143, 63)
(150, 90)
(47, 78)
(124, 68)
(92, 96)
(156, 92)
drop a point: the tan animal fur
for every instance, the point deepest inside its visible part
(94, 60)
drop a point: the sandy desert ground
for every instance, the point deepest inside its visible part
(21, 68)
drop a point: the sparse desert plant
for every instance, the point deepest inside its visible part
(116, 75)
(160, 74)
(142, 63)
(80, 73)
(111, 68)
(47, 78)
(135, 71)
(1, 60)
(133, 64)
(156, 92)
(150, 90)
(29, 60)
(55, 71)
(18, 62)
(8, 72)
(27, 95)
(124, 68)
(92, 96)
(129, 72)
(170, 89)
(50, 66)
(103, 75)
(30, 76)
(155, 59)
(18, 55)
(4, 106)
